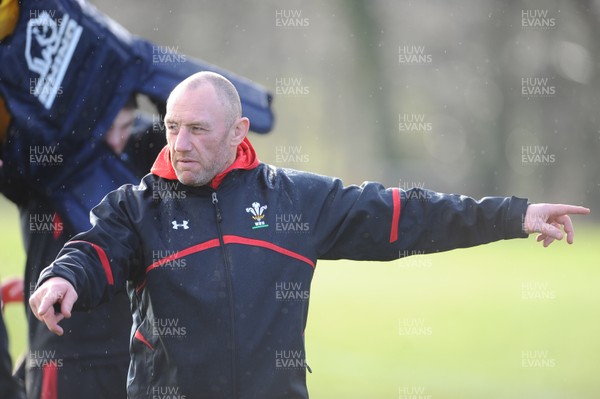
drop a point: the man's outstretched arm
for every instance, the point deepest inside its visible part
(374, 223)
(547, 220)
(54, 291)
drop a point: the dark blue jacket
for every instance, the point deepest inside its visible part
(219, 277)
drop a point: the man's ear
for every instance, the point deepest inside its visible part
(240, 130)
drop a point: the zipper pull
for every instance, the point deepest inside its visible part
(215, 202)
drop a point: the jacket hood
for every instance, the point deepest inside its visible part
(245, 159)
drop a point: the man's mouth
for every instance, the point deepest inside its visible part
(185, 162)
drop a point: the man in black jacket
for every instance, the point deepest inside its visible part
(206, 268)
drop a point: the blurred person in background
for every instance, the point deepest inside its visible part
(91, 361)
(9, 386)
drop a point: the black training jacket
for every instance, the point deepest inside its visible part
(219, 278)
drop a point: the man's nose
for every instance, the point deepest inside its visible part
(182, 142)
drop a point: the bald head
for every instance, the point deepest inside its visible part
(225, 91)
(204, 127)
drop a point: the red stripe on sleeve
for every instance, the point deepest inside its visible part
(57, 227)
(138, 335)
(103, 260)
(395, 215)
(49, 384)
(140, 287)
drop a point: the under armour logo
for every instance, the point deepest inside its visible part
(178, 225)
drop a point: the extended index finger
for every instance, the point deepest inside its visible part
(562, 209)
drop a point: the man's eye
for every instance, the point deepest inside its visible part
(171, 126)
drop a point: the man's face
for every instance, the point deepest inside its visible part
(119, 132)
(199, 141)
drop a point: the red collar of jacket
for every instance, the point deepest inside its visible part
(245, 159)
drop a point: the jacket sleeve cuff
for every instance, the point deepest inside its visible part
(52, 271)
(515, 217)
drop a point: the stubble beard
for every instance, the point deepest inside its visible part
(204, 176)
(200, 179)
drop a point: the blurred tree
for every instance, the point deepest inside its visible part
(373, 81)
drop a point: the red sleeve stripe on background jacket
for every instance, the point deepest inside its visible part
(396, 215)
(103, 260)
(57, 227)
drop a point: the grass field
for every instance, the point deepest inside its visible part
(506, 320)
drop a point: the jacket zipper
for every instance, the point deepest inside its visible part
(227, 266)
